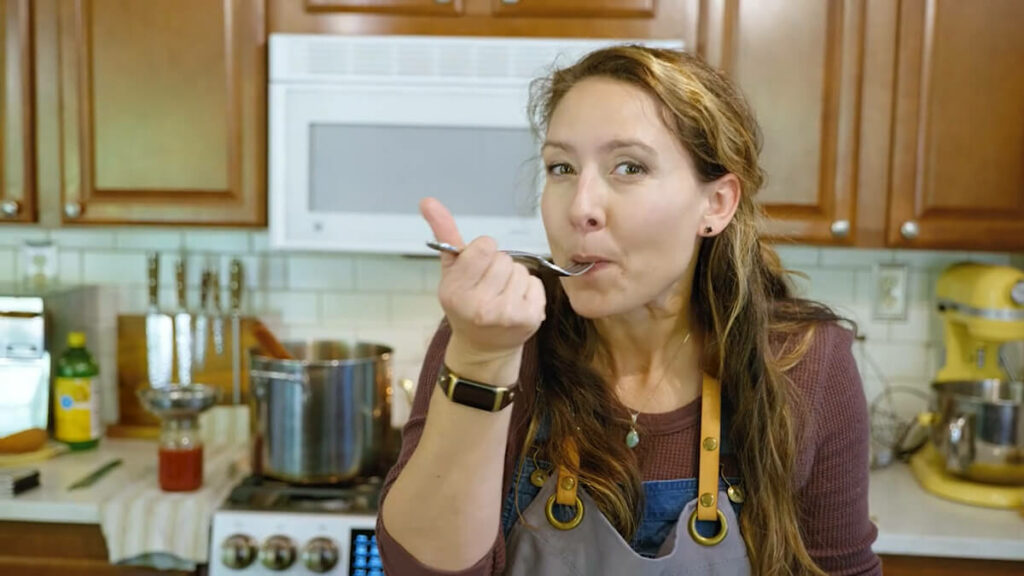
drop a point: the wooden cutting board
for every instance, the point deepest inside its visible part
(135, 421)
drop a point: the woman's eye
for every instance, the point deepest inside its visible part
(559, 169)
(630, 169)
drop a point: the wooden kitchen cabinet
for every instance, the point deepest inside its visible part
(958, 137)
(929, 566)
(799, 64)
(17, 164)
(541, 18)
(54, 549)
(159, 110)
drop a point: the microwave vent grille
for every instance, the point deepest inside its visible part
(436, 58)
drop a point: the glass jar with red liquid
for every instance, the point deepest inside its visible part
(181, 454)
(181, 446)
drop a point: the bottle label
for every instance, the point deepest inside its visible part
(77, 410)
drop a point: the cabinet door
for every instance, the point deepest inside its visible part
(539, 18)
(162, 107)
(799, 65)
(17, 197)
(433, 7)
(958, 138)
(575, 8)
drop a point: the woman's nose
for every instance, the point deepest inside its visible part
(587, 212)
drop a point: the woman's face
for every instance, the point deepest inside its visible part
(621, 191)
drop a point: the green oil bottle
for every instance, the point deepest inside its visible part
(76, 397)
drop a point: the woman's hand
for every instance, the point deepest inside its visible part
(493, 304)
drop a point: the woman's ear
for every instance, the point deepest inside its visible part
(723, 197)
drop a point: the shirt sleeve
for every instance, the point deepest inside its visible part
(396, 559)
(833, 499)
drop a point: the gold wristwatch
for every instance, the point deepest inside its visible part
(474, 394)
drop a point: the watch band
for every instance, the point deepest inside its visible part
(474, 394)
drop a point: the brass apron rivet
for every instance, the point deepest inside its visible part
(538, 478)
(568, 483)
(710, 444)
(735, 494)
(707, 500)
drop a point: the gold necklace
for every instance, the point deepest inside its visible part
(633, 437)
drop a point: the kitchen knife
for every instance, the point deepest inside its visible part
(94, 476)
(159, 332)
(236, 331)
(182, 327)
(202, 319)
(218, 312)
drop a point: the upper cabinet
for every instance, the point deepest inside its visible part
(17, 166)
(958, 131)
(161, 108)
(799, 65)
(542, 18)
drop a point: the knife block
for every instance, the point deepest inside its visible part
(134, 420)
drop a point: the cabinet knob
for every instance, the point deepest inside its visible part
(10, 208)
(840, 228)
(73, 209)
(909, 230)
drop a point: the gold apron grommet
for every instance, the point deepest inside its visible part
(549, 510)
(703, 540)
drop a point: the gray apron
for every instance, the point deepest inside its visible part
(534, 547)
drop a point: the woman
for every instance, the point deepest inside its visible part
(673, 388)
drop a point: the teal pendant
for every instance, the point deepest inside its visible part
(632, 438)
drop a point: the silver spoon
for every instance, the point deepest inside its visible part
(575, 269)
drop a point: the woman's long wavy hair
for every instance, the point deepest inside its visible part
(753, 327)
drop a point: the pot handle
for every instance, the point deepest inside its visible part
(960, 444)
(259, 379)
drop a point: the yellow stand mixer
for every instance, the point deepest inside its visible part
(976, 451)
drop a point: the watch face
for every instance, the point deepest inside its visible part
(476, 395)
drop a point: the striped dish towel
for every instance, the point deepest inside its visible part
(142, 520)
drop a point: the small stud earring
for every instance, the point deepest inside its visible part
(708, 229)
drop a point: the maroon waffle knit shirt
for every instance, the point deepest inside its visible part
(831, 480)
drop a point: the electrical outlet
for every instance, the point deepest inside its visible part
(890, 301)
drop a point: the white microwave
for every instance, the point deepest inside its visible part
(362, 127)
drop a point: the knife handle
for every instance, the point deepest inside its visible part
(154, 278)
(179, 281)
(215, 287)
(236, 285)
(204, 289)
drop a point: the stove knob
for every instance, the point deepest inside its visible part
(320, 555)
(238, 551)
(278, 552)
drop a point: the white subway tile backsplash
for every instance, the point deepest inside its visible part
(8, 266)
(292, 307)
(69, 267)
(415, 309)
(78, 238)
(907, 361)
(109, 267)
(219, 241)
(16, 234)
(356, 308)
(392, 300)
(149, 239)
(930, 259)
(853, 257)
(308, 272)
(798, 256)
(391, 273)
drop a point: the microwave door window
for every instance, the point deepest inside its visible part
(382, 169)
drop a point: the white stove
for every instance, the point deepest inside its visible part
(269, 527)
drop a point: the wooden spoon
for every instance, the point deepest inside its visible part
(268, 342)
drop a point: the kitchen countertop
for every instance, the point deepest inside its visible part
(914, 522)
(910, 521)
